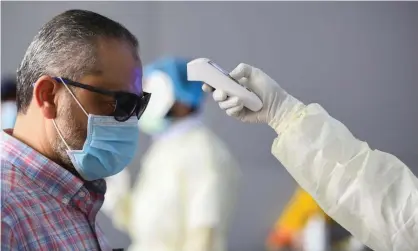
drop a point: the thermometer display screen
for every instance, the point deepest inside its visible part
(223, 71)
(218, 67)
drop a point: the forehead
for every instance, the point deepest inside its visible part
(118, 67)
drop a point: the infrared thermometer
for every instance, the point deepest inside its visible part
(203, 69)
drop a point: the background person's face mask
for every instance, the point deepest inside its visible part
(8, 114)
(154, 125)
(154, 120)
(109, 147)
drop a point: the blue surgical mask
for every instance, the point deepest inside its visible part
(109, 147)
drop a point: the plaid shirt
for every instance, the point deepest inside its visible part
(44, 206)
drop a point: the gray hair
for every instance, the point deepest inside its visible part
(66, 47)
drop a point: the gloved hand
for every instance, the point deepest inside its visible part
(278, 105)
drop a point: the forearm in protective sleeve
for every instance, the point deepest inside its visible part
(370, 193)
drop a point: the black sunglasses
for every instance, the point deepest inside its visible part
(127, 104)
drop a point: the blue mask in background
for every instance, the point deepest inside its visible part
(109, 147)
(8, 114)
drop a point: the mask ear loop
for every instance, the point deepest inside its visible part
(78, 102)
(72, 94)
(59, 133)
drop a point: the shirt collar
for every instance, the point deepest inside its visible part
(51, 177)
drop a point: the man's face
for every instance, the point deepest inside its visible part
(119, 71)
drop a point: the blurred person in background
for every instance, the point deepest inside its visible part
(8, 103)
(79, 98)
(188, 181)
(304, 226)
(288, 230)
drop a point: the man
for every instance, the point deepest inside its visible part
(8, 103)
(188, 180)
(370, 193)
(79, 98)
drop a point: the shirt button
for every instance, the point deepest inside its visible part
(65, 200)
(82, 194)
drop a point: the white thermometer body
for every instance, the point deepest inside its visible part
(202, 69)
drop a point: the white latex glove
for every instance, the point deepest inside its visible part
(278, 105)
(118, 186)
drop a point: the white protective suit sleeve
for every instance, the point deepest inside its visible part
(202, 194)
(370, 193)
(203, 198)
(117, 203)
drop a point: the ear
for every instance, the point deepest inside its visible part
(44, 95)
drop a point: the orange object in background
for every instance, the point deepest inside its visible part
(292, 221)
(281, 238)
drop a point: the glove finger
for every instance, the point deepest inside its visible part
(219, 95)
(230, 103)
(241, 71)
(235, 111)
(245, 82)
(207, 88)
